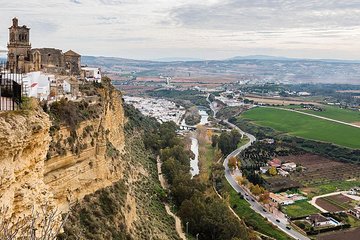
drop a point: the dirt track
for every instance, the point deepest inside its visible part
(164, 185)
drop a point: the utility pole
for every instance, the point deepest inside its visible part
(187, 227)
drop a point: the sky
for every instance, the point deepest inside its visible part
(207, 29)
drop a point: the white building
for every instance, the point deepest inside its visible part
(304, 94)
(281, 199)
(91, 74)
(264, 169)
(66, 87)
(283, 173)
(37, 84)
(317, 220)
(289, 166)
(355, 212)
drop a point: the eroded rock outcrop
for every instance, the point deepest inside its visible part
(32, 174)
(24, 142)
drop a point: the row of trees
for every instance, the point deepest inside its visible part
(255, 189)
(227, 141)
(205, 215)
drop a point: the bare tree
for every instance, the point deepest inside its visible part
(43, 225)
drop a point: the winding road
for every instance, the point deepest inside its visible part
(281, 223)
(256, 206)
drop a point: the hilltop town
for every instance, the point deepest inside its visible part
(208, 149)
(43, 73)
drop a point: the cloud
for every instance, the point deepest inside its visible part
(117, 2)
(75, 1)
(44, 26)
(246, 15)
(206, 28)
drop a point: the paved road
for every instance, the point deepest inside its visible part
(211, 104)
(253, 203)
(313, 115)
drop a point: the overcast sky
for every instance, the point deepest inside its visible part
(211, 29)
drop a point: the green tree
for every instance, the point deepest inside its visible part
(214, 140)
(272, 171)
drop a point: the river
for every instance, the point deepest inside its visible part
(194, 163)
(204, 117)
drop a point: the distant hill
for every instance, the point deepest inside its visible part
(277, 58)
(178, 59)
(262, 57)
(256, 68)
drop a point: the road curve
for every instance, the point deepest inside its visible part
(313, 115)
(256, 206)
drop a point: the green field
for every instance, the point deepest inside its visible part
(304, 126)
(332, 112)
(300, 209)
(325, 188)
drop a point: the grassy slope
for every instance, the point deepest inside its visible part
(333, 113)
(305, 126)
(101, 214)
(300, 209)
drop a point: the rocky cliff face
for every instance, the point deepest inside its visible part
(33, 173)
(24, 141)
(96, 161)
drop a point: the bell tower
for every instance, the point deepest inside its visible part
(19, 47)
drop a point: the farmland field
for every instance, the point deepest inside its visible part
(304, 126)
(332, 112)
(322, 175)
(322, 170)
(328, 206)
(300, 209)
(334, 203)
(343, 235)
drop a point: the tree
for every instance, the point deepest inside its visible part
(232, 163)
(239, 164)
(209, 133)
(244, 182)
(217, 154)
(264, 198)
(214, 140)
(256, 190)
(239, 180)
(272, 171)
(224, 143)
(235, 138)
(43, 224)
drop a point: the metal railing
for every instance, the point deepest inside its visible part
(10, 89)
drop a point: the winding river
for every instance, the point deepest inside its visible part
(194, 163)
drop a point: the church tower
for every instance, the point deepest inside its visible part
(19, 47)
